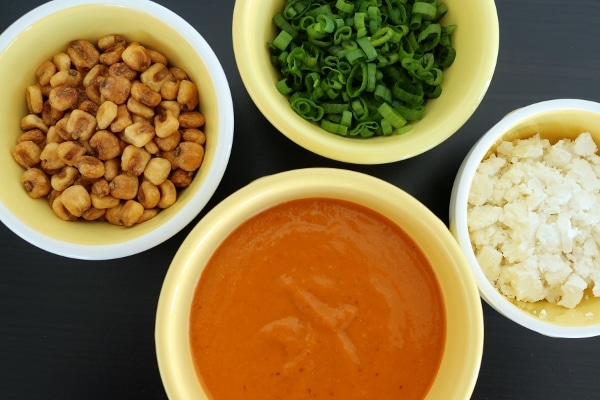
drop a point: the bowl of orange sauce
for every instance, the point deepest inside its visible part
(315, 283)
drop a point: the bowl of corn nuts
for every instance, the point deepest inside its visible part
(117, 124)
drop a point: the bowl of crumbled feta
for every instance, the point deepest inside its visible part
(525, 209)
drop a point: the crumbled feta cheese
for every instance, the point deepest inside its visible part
(533, 216)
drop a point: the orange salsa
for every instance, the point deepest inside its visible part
(317, 299)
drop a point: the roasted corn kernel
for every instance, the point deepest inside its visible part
(26, 154)
(134, 160)
(83, 54)
(36, 183)
(76, 200)
(34, 99)
(64, 178)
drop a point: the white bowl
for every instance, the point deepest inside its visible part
(47, 30)
(554, 119)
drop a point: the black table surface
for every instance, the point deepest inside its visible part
(72, 329)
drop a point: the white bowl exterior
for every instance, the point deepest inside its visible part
(459, 225)
(221, 149)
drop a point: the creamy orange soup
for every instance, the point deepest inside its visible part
(317, 299)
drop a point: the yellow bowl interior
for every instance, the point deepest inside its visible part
(476, 41)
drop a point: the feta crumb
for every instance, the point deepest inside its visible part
(533, 216)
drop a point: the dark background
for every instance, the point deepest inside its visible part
(73, 329)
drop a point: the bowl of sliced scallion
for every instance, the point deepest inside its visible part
(366, 81)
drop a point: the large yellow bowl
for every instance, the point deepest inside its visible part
(464, 343)
(553, 120)
(465, 83)
(47, 30)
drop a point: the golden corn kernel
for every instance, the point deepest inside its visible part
(109, 41)
(89, 107)
(105, 145)
(122, 120)
(131, 212)
(69, 77)
(64, 178)
(50, 115)
(112, 55)
(182, 178)
(97, 70)
(165, 124)
(45, 71)
(76, 200)
(60, 210)
(187, 95)
(134, 160)
(170, 142)
(122, 70)
(157, 170)
(107, 112)
(168, 194)
(36, 183)
(156, 76)
(139, 133)
(93, 214)
(36, 136)
(115, 89)
(83, 54)
(62, 61)
(34, 99)
(171, 105)
(152, 148)
(63, 97)
(191, 119)
(104, 202)
(111, 168)
(157, 57)
(189, 156)
(33, 121)
(124, 186)
(148, 214)
(170, 89)
(136, 57)
(100, 188)
(178, 73)
(193, 135)
(92, 91)
(144, 94)
(70, 152)
(61, 128)
(81, 125)
(139, 109)
(113, 214)
(148, 194)
(90, 167)
(49, 159)
(26, 154)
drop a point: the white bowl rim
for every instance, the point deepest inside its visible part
(213, 178)
(458, 211)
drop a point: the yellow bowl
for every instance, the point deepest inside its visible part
(464, 342)
(553, 120)
(47, 30)
(465, 83)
